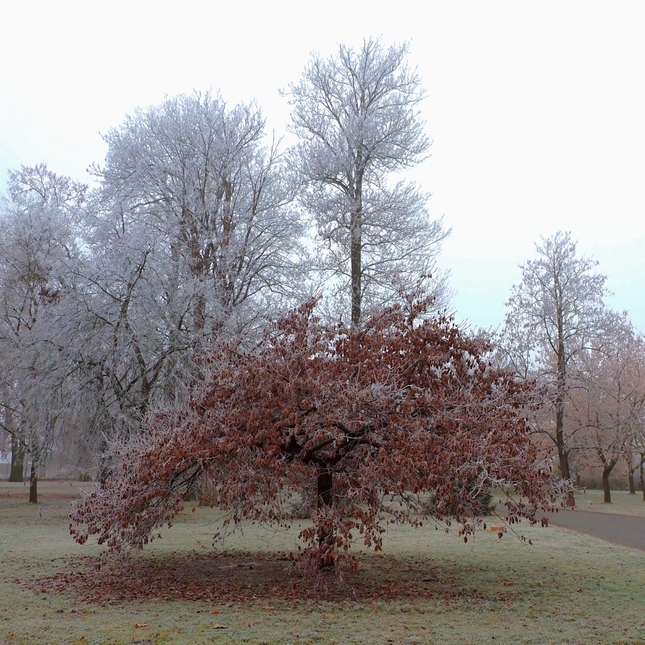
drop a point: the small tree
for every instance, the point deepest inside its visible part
(356, 115)
(403, 405)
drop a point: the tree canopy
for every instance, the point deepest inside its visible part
(406, 408)
(357, 120)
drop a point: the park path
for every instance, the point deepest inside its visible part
(627, 530)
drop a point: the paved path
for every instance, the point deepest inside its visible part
(627, 530)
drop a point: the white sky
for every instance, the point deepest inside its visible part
(536, 108)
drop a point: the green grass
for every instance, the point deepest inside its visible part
(427, 587)
(622, 503)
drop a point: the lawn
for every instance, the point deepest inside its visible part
(622, 503)
(428, 586)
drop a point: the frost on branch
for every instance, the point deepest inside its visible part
(405, 404)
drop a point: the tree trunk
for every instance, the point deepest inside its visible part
(33, 481)
(642, 478)
(105, 463)
(563, 457)
(356, 248)
(605, 484)
(325, 533)
(17, 473)
(630, 476)
(561, 385)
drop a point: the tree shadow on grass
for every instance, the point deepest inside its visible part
(231, 577)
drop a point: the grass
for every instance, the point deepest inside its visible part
(622, 503)
(427, 587)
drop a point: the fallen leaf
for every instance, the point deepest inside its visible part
(218, 626)
(268, 608)
(139, 625)
(215, 611)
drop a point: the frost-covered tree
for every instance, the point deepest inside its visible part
(609, 399)
(191, 236)
(404, 403)
(195, 182)
(356, 116)
(38, 250)
(553, 316)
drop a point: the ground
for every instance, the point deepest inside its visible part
(428, 586)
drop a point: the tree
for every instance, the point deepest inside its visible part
(608, 401)
(638, 446)
(37, 249)
(190, 235)
(194, 179)
(357, 120)
(405, 405)
(555, 313)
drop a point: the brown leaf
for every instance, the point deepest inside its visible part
(139, 625)
(218, 626)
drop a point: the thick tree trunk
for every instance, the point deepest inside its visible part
(17, 473)
(641, 471)
(632, 485)
(605, 484)
(33, 481)
(325, 534)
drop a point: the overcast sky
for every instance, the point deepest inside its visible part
(536, 108)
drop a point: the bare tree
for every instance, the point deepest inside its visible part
(197, 181)
(356, 115)
(554, 315)
(39, 222)
(608, 400)
(191, 235)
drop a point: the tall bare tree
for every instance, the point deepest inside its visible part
(554, 315)
(356, 115)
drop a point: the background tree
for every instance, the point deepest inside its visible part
(638, 447)
(38, 250)
(190, 236)
(608, 400)
(555, 313)
(356, 115)
(403, 404)
(196, 178)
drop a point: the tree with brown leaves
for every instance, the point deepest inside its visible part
(399, 420)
